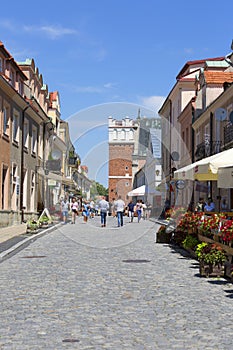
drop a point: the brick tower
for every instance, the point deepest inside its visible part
(122, 135)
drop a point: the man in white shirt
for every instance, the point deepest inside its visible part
(104, 207)
(119, 207)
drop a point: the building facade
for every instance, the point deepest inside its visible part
(34, 160)
(178, 137)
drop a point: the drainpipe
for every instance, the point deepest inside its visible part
(22, 164)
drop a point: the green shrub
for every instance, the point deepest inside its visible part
(190, 242)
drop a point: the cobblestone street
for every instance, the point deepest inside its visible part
(86, 287)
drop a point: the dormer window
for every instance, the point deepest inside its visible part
(12, 80)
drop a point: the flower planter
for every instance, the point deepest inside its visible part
(227, 248)
(208, 270)
(163, 237)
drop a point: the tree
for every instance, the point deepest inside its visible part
(98, 190)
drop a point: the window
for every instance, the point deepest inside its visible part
(34, 140)
(187, 138)
(15, 178)
(123, 134)
(15, 129)
(15, 187)
(12, 78)
(33, 180)
(6, 121)
(20, 87)
(40, 143)
(207, 132)
(25, 133)
(1, 64)
(197, 138)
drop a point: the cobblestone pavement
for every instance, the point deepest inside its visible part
(86, 287)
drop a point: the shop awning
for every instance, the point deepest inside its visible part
(225, 177)
(206, 169)
(140, 191)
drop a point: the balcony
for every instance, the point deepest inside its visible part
(207, 148)
(72, 161)
(228, 135)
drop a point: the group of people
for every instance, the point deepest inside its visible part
(209, 205)
(66, 206)
(118, 209)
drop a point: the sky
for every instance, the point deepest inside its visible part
(112, 57)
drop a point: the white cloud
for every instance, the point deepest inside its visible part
(110, 85)
(53, 32)
(153, 103)
(189, 50)
(100, 54)
(88, 89)
(7, 24)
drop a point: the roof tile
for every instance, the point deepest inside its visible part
(216, 77)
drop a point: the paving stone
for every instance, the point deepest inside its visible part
(74, 284)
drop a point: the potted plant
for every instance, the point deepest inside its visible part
(32, 225)
(43, 220)
(190, 242)
(162, 236)
(211, 258)
(226, 232)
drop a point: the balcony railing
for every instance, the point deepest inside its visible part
(228, 134)
(207, 148)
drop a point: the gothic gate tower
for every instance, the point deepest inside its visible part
(122, 136)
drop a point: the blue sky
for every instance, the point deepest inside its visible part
(110, 57)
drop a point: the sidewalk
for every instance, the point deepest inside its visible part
(9, 232)
(16, 237)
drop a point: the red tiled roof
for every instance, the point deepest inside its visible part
(13, 62)
(215, 77)
(53, 96)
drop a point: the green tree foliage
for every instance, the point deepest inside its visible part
(98, 190)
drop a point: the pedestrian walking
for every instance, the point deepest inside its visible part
(144, 207)
(104, 207)
(112, 208)
(74, 210)
(119, 207)
(85, 211)
(92, 209)
(130, 207)
(139, 209)
(148, 211)
(65, 205)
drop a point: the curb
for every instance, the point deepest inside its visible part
(9, 252)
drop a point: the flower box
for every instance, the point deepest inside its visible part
(227, 248)
(162, 236)
(208, 270)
